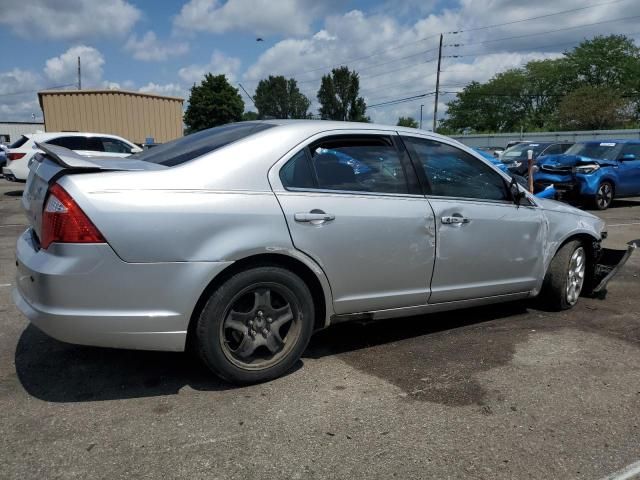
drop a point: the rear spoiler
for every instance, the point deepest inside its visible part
(69, 159)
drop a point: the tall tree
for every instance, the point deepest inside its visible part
(338, 96)
(214, 102)
(592, 108)
(407, 122)
(279, 97)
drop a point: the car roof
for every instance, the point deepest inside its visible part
(46, 135)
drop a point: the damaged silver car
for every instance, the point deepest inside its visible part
(244, 239)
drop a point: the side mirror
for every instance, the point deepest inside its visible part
(516, 194)
(628, 156)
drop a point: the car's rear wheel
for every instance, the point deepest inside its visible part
(256, 325)
(566, 276)
(604, 196)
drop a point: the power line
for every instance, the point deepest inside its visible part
(23, 92)
(400, 100)
(247, 94)
(543, 33)
(536, 17)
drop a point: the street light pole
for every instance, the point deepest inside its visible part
(421, 116)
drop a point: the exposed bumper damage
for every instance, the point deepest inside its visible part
(609, 263)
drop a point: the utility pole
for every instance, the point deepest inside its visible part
(421, 116)
(435, 105)
(79, 76)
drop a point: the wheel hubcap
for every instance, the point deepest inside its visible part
(575, 276)
(260, 326)
(605, 195)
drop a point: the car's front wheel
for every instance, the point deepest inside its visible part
(566, 276)
(256, 325)
(604, 196)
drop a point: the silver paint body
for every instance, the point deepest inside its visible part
(172, 231)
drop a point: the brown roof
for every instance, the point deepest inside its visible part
(105, 91)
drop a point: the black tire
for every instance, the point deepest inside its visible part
(227, 335)
(556, 286)
(604, 196)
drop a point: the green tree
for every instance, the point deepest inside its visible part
(278, 97)
(338, 96)
(407, 122)
(248, 116)
(592, 108)
(214, 102)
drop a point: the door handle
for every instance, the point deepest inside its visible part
(455, 220)
(314, 216)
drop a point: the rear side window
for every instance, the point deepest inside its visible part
(297, 172)
(197, 144)
(20, 142)
(452, 172)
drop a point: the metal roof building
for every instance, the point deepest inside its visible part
(12, 131)
(133, 115)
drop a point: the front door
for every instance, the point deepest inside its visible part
(629, 170)
(350, 205)
(486, 245)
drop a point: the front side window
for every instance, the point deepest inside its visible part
(112, 145)
(633, 149)
(451, 172)
(369, 163)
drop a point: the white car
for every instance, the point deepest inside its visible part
(86, 144)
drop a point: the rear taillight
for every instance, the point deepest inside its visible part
(15, 156)
(63, 221)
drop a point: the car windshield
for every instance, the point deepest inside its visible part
(602, 150)
(197, 144)
(521, 150)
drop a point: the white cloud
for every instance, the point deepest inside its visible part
(149, 49)
(219, 64)
(69, 19)
(261, 17)
(18, 99)
(170, 89)
(63, 69)
(367, 43)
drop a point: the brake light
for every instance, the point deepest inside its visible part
(15, 155)
(63, 221)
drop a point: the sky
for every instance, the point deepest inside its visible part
(166, 46)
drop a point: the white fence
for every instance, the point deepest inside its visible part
(501, 139)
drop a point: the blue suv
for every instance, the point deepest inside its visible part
(595, 171)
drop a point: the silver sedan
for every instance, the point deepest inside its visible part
(244, 239)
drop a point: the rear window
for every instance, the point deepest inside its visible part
(197, 144)
(20, 142)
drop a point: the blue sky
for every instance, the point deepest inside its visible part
(165, 47)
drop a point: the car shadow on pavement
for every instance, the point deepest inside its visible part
(54, 371)
(353, 336)
(59, 372)
(14, 193)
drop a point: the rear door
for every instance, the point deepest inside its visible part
(629, 171)
(486, 245)
(353, 204)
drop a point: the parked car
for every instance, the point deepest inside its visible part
(594, 171)
(22, 151)
(495, 161)
(3, 156)
(516, 158)
(495, 151)
(246, 238)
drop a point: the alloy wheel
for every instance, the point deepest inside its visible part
(604, 196)
(575, 275)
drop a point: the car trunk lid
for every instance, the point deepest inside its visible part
(47, 167)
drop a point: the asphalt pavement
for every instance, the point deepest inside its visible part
(503, 392)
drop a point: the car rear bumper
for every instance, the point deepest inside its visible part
(8, 174)
(86, 294)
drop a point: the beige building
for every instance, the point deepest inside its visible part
(135, 116)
